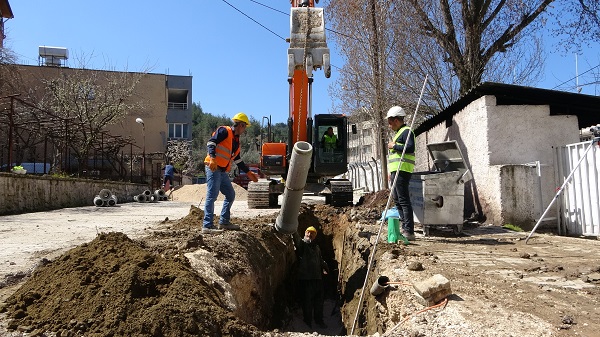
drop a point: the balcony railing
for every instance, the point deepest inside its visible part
(177, 106)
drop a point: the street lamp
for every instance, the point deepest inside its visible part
(141, 121)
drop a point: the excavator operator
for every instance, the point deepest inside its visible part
(329, 142)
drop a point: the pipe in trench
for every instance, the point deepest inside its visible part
(287, 220)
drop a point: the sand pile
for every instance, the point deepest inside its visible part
(197, 192)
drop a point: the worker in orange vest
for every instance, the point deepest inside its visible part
(223, 149)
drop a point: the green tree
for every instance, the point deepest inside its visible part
(204, 124)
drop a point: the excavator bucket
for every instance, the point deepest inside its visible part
(308, 47)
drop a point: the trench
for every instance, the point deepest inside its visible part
(346, 250)
(238, 283)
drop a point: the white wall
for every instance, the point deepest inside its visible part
(495, 138)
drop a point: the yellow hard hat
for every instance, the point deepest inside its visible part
(311, 229)
(241, 117)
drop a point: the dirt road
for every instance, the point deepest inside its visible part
(27, 238)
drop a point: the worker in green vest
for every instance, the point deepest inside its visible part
(329, 142)
(403, 140)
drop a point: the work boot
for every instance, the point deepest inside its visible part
(211, 230)
(229, 227)
(408, 236)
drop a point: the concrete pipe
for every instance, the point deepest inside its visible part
(112, 201)
(98, 202)
(147, 193)
(287, 220)
(159, 192)
(380, 285)
(105, 194)
(140, 198)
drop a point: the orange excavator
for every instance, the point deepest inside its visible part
(327, 133)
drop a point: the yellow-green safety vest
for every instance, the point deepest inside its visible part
(408, 162)
(330, 141)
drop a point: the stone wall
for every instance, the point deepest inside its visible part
(24, 193)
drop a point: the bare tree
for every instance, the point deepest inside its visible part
(88, 101)
(9, 76)
(578, 22)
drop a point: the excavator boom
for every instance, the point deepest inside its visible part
(308, 51)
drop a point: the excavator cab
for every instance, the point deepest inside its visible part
(330, 145)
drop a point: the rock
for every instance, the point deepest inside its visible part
(415, 266)
(432, 290)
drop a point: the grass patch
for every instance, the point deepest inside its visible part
(513, 227)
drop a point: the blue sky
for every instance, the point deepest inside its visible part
(236, 64)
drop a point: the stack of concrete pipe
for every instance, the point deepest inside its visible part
(105, 198)
(160, 195)
(148, 196)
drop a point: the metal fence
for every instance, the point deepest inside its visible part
(366, 176)
(580, 200)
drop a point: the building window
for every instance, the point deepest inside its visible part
(367, 149)
(178, 130)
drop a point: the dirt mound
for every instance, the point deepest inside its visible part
(112, 286)
(197, 193)
(376, 199)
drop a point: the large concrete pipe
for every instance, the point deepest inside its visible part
(98, 202)
(105, 194)
(287, 220)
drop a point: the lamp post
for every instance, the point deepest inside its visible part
(141, 121)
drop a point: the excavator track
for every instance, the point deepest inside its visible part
(341, 193)
(259, 195)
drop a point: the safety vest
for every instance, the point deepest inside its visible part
(330, 141)
(408, 162)
(223, 150)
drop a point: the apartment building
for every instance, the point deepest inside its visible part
(363, 146)
(163, 114)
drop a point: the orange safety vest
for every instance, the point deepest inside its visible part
(223, 150)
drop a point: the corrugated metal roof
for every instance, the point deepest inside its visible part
(585, 107)
(5, 10)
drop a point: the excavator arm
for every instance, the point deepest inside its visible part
(307, 52)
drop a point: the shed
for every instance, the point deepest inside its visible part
(506, 133)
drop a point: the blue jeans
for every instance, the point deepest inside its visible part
(216, 182)
(402, 201)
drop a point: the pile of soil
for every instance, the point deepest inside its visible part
(113, 286)
(197, 193)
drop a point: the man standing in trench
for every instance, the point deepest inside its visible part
(403, 138)
(223, 149)
(310, 270)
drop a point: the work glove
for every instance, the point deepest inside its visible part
(252, 176)
(212, 164)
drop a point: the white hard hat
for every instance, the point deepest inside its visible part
(395, 111)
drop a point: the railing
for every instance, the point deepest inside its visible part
(580, 214)
(365, 176)
(177, 106)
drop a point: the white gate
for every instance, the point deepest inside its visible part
(580, 199)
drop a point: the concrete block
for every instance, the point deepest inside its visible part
(432, 290)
